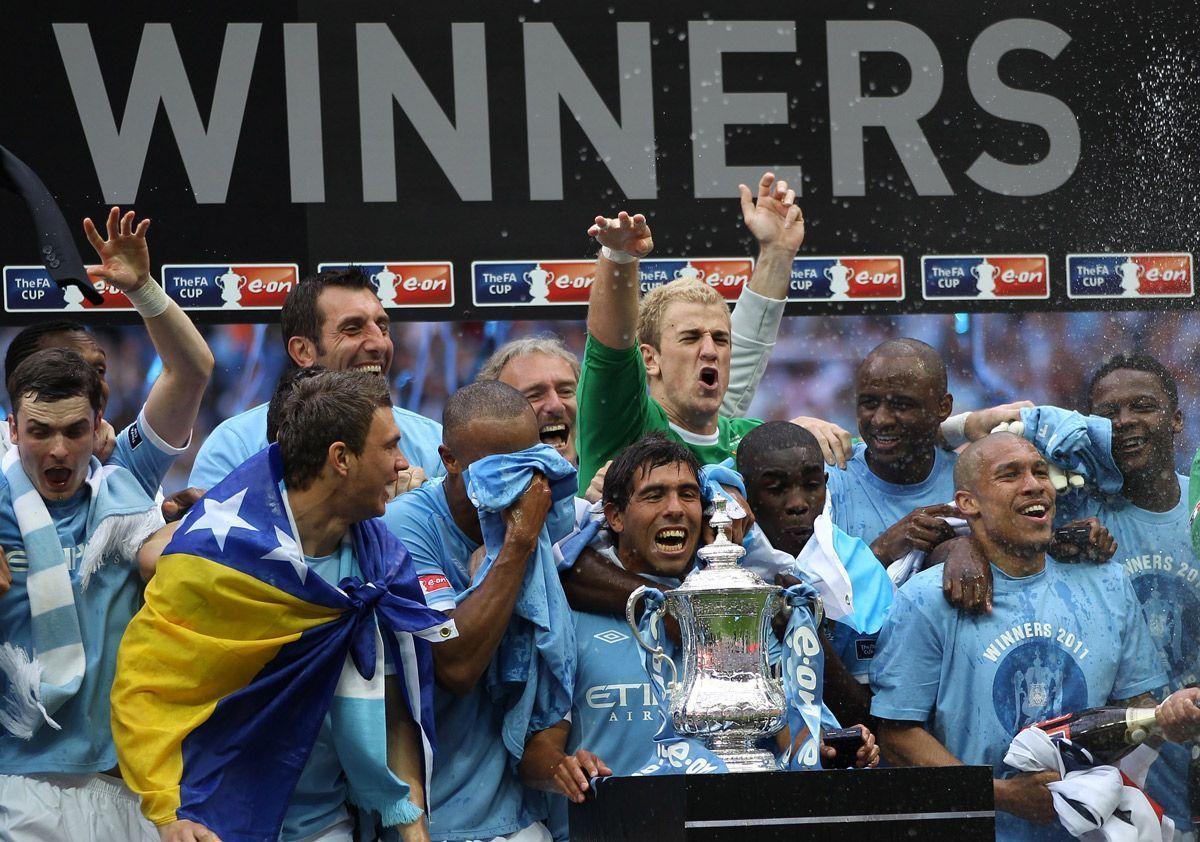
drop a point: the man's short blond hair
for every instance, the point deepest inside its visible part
(655, 302)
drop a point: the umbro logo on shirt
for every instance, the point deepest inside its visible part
(611, 636)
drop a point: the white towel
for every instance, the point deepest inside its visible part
(1093, 803)
(901, 570)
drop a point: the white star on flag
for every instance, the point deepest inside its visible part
(220, 517)
(288, 551)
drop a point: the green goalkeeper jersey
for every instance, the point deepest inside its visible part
(615, 410)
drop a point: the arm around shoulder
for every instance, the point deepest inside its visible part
(219, 454)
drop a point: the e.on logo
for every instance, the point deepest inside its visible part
(1142, 275)
(532, 282)
(400, 284)
(31, 289)
(727, 276)
(978, 277)
(875, 277)
(236, 286)
(846, 279)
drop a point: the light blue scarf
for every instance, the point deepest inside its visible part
(120, 517)
(533, 672)
(1078, 443)
(671, 754)
(803, 663)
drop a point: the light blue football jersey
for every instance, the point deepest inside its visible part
(238, 438)
(865, 506)
(85, 742)
(319, 800)
(476, 794)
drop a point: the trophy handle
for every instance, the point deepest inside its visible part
(816, 605)
(818, 609)
(657, 651)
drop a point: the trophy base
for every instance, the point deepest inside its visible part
(740, 754)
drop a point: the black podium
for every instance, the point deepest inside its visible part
(880, 804)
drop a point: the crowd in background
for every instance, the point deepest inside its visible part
(234, 660)
(1041, 357)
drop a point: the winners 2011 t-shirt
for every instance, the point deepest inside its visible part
(1067, 638)
(1156, 552)
(865, 506)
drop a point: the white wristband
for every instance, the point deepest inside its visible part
(616, 255)
(149, 299)
(954, 430)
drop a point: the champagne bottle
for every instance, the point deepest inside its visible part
(1107, 732)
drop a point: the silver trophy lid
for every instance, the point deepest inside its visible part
(719, 570)
(721, 552)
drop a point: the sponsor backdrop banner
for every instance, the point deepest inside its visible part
(1005, 156)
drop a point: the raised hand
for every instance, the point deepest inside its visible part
(773, 217)
(125, 259)
(626, 233)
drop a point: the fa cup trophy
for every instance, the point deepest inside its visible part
(729, 695)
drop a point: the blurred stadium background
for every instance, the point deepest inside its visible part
(1044, 357)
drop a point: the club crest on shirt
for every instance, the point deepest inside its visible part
(1171, 604)
(1036, 680)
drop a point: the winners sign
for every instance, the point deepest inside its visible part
(461, 136)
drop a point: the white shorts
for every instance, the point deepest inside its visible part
(536, 832)
(82, 808)
(342, 831)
